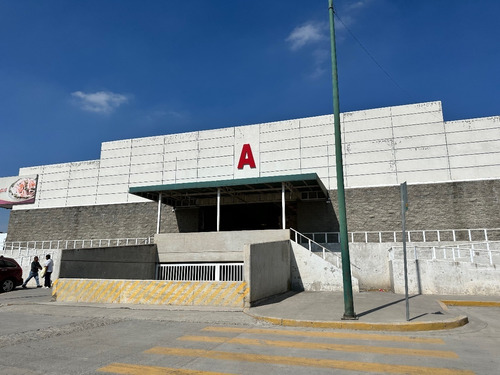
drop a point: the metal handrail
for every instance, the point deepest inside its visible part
(299, 239)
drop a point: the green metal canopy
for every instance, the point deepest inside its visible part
(246, 190)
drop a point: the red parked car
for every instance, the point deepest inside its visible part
(11, 274)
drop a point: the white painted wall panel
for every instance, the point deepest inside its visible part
(115, 153)
(216, 134)
(427, 177)
(112, 198)
(113, 180)
(416, 108)
(370, 168)
(375, 156)
(146, 159)
(116, 171)
(473, 136)
(148, 178)
(148, 141)
(147, 150)
(422, 164)
(226, 161)
(421, 152)
(81, 201)
(372, 125)
(491, 159)
(324, 130)
(311, 163)
(115, 162)
(49, 203)
(146, 167)
(412, 130)
(222, 151)
(216, 172)
(368, 135)
(80, 182)
(366, 114)
(83, 173)
(49, 177)
(368, 180)
(81, 191)
(474, 148)
(112, 189)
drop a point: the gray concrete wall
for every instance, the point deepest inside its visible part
(445, 277)
(312, 273)
(211, 246)
(128, 262)
(267, 269)
(370, 265)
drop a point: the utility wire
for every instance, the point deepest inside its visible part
(373, 58)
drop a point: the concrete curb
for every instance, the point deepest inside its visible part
(455, 322)
(471, 303)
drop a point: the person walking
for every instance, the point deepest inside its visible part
(35, 266)
(49, 267)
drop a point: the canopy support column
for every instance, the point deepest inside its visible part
(159, 214)
(283, 205)
(218, 209)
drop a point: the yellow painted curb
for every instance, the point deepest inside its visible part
(365, 326)
(471, 303)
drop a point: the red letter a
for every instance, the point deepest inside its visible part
(246, 157)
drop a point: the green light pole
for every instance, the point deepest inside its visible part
(344, 241)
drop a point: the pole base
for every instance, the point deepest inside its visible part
(349, 317)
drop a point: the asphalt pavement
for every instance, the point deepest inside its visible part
(375, 310)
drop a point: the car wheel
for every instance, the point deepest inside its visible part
(7, 285)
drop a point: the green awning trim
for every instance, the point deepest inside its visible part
(202, 193)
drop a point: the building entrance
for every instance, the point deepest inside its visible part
(256, 216)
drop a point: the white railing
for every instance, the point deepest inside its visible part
(480, 252)
(200, 272)
(312, 245)
(74, 244)
(434, 235)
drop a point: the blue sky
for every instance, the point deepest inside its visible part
(76, 73)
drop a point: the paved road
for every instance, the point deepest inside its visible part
(42, 337)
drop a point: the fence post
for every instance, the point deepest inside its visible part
(423, 235)
(470, 236)
(439, 235)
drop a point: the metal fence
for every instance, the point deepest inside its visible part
(434, 235)
(480, 253)
(200, 272)
(75, 244)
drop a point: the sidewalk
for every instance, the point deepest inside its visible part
(384, 311)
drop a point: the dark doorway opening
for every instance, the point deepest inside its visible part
(256, 216)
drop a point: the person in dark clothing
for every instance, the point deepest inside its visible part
(35, 266)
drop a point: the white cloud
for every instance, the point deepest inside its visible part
(99, 102)
(306, 34)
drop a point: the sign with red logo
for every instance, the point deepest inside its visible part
(17, 190)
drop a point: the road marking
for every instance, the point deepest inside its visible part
(324, 346)
(308, 362)
(340, 335)
(129, 369)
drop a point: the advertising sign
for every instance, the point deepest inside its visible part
(17, 190)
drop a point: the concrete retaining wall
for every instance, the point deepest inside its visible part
(211, 246)
(267, 269)
(226, 294)
(314, 274)
(442, 277)
(127, 262)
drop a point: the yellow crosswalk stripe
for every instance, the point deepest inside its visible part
(324, 346)
(326, 334)
(309, 362)
(129, 369)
